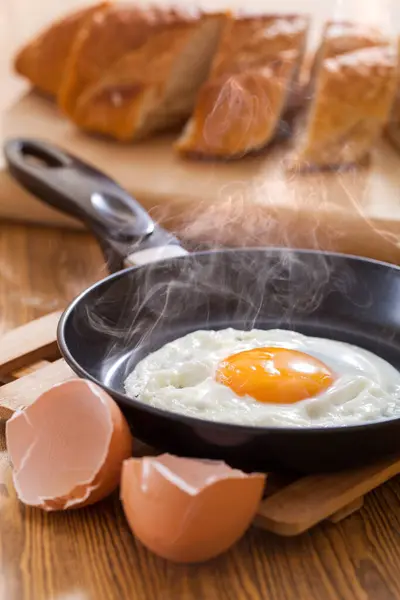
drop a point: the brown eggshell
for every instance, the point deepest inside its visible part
(67, 448)
(188, 510)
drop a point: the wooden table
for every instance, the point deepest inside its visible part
(91, 555)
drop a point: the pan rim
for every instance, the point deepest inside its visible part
(194, 421)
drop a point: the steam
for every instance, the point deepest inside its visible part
(241, 108)
(241, 288)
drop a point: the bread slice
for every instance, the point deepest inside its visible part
(153, 87)
(351, 92)
(239, 107)
(42, 61)
(109, 35)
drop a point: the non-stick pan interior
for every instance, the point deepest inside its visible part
(117, 322)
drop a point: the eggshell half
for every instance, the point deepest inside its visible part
(188, 510)
(67, 448)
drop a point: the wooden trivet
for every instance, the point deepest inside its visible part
(30, 364)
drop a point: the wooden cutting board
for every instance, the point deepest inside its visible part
(252, 201)
(30, 364)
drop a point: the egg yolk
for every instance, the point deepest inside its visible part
(274, 375)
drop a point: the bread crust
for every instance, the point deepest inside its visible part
(118, 102)
(239, 107)
(355, 78)
(43, 60)
(103, 40)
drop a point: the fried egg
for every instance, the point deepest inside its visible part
(267, 378)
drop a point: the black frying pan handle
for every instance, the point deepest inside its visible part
(79, 189)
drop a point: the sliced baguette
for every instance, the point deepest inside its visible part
(253, 75)
(154, 87)
(352, 88)
(42, 60)
(102, 41)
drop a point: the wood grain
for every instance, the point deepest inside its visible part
(348, 510)
(91, 554)
(35, 340)
(17, 394)
(36, 366)
(292, 511)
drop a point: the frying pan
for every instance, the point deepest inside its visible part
(169, 292)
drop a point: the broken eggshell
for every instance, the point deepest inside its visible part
(188, 510)
(67, 448)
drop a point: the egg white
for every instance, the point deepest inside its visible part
(179, 377)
